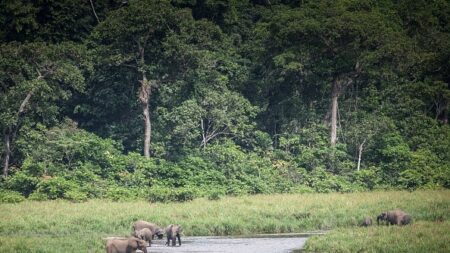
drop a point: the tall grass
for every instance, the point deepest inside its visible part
(419, 237)
(60, 226)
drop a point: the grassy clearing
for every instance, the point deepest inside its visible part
(59, 226)
(419, 237)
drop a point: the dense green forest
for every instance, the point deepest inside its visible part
(173, 100)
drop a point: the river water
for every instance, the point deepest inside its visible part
(260, 244)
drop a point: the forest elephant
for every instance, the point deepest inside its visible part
(366, 222)
(141, 224)
(173, 232)
(395, 217)
(146, 235)
(129, 245)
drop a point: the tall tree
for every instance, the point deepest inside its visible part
(51, 20)
(326, 46)
(132, 37)
(34, 77)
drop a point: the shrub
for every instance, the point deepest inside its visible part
(56, 187)
(38, 196)
(164, 194)
(322, 181)
(117, 193)
(368, 178)
(301, 189)
(184, 194)
(216, 194)
(76, 196)
(10, 197)
(22, 183)
(159, 194)
(237, 188)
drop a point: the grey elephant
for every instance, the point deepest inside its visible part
(146, 235)
(394, 217)
(128, 245)
(141, 224)
(173, 232)
(366, 222)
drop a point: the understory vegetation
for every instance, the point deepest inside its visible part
(63, 226)
(65, 162)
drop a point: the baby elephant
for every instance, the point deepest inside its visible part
(395, 217)
(146, 235)
(172, 233)
(141, 224)
(129, 245)
(366, 222)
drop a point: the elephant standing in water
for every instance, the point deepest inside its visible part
(146, 235)
(395, 217)
(172, 233)
(141, 224)
(129, 245)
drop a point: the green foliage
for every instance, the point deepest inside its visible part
(76, 195)
(117, 193)
(22, 182)
(215, 194)
(425, 170)
(65, 148)
(164, 194)
(367, 178)
(38, 196)
(239, 97)
(7, 196)
(159, 194)
(56, 187)
(185, 194)
(302, 189)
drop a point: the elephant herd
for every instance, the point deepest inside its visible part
(142, 233)
(394, 217)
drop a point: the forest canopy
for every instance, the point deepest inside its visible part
(173, 100)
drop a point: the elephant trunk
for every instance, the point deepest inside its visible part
(379, 217)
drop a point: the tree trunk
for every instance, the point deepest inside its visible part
(360, 150)
(11, 132)
(334, 107)
(144, 97)
(202, 124)
(7, 152)
(442, 113)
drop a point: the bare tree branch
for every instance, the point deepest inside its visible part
(93, 10)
